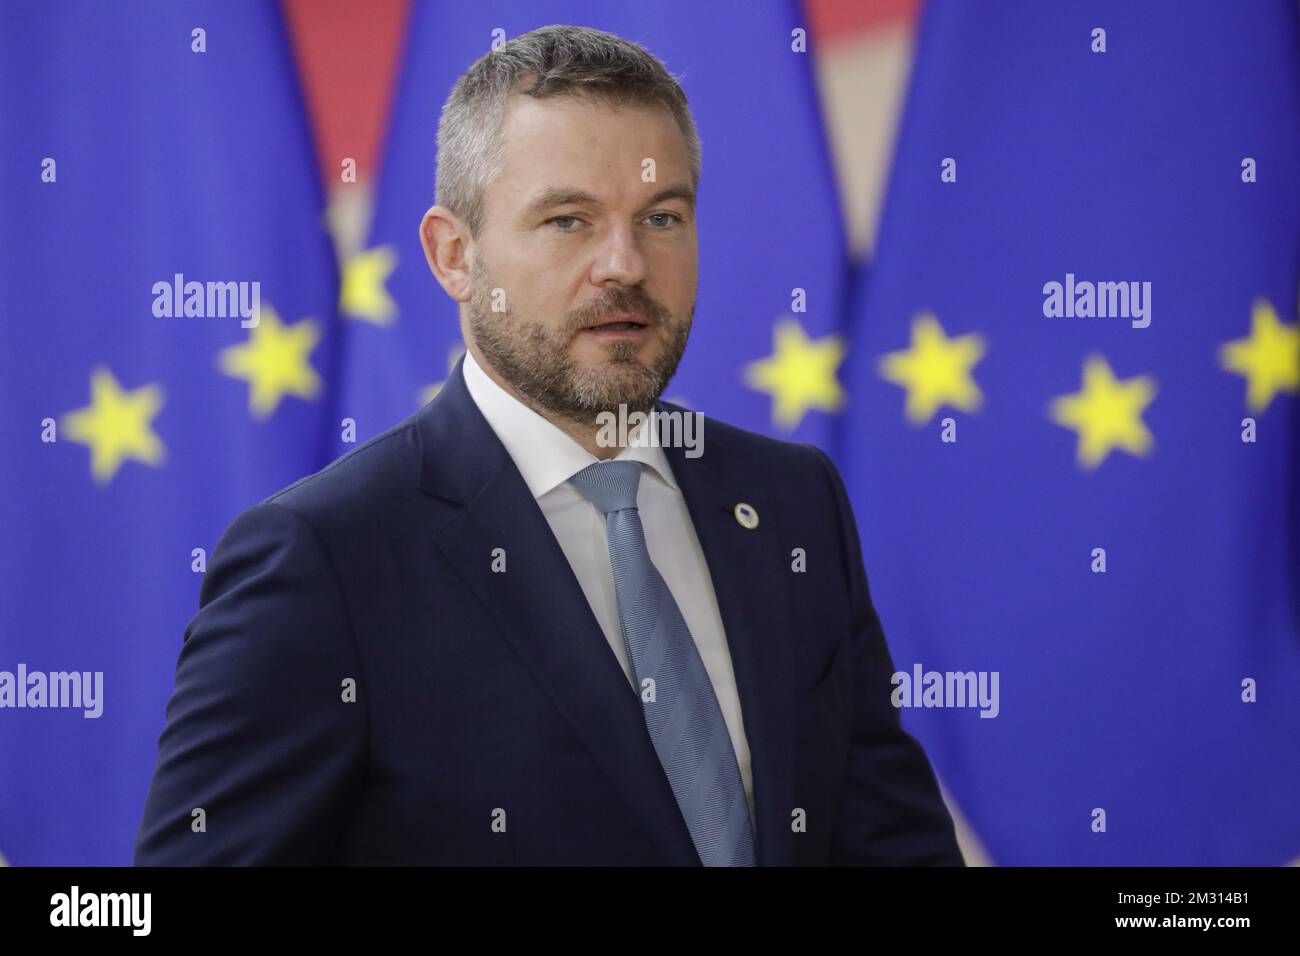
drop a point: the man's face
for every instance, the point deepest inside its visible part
(575, 240)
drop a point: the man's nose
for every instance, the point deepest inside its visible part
(618, 259)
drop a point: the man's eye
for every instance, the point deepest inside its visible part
(564, 223)
(667, 219)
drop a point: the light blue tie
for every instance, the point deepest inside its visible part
(684, 719)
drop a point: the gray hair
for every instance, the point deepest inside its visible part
(550, 61)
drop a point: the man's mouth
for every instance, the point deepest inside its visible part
(618, 323)
(618, 327)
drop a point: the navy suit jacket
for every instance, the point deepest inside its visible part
(479, 696)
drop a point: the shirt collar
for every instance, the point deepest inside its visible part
(544, 455)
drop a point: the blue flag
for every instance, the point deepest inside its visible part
(1073, 440)
(166, 288)
(764, 349)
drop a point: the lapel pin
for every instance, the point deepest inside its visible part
(746, 516)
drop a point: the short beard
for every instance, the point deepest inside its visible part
(533, 357)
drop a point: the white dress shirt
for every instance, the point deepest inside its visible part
(547, 458)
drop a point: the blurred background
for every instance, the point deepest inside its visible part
(1100, 509)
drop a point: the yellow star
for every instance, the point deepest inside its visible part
(116, 425)
(274, 361)
(429, 391)
(800, 374)
(935, 370)
(1269, 360)
(362, 293)
(1107, 414)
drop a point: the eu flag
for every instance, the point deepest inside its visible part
(166, 288)
(1073, 439)
(764, 350)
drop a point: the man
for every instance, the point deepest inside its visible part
(489, 637)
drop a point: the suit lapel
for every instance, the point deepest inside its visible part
(746, 567)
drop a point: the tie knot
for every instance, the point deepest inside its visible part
(609, 485)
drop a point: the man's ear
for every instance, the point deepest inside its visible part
(446, 244)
